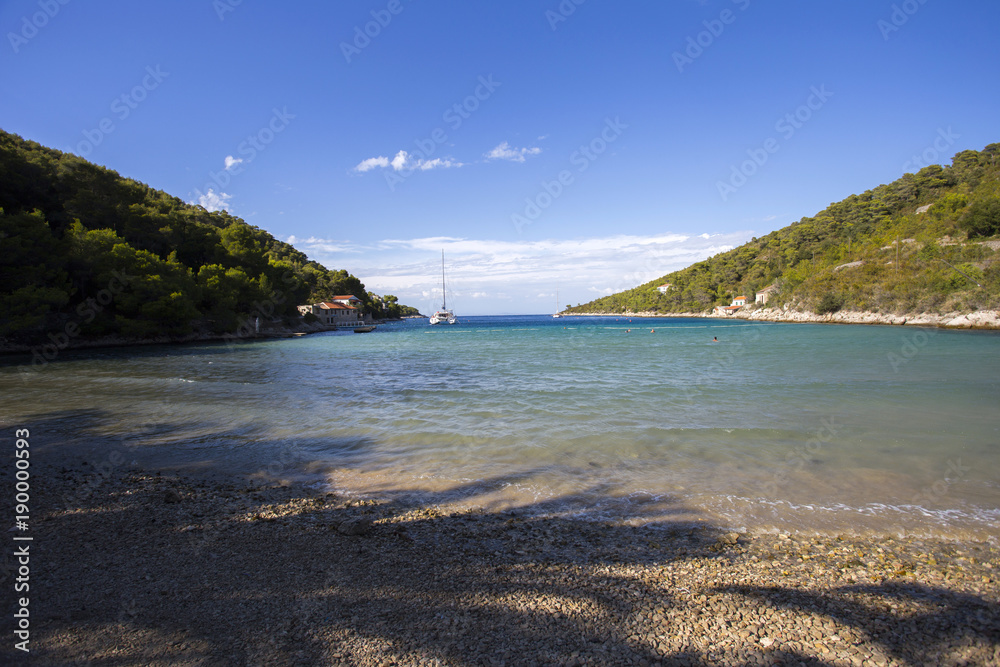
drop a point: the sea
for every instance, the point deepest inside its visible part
(663, 422)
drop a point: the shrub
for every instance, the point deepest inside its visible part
(830, 303)
(982, 218)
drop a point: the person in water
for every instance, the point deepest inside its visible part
(715, 339)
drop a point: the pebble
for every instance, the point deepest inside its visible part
(275, 575)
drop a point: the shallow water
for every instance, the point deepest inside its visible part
(776, 426)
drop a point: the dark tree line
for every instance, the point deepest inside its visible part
(84, 247)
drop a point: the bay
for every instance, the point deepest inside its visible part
(774, 427)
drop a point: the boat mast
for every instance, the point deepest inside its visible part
(444, 295)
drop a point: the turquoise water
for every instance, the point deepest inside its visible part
(775, 426)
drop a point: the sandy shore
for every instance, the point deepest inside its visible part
(146, 568)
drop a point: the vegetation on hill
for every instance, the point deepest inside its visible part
(85, 250)
(912, 246)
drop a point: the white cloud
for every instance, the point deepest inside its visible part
(399, 162)
(490, 276)
(232, 162)
(438, 163)
(371, 163)
(212, 201)
(324, 247)
(505, 152)
(403, 161)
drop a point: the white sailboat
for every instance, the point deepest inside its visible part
(557, 313)
(443, 316)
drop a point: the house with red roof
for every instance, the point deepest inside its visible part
(737, 303)
(341, 310)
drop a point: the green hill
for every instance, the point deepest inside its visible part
(912, 246)
(87, 253)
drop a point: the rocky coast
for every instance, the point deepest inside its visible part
(134, 567)
(983, 319)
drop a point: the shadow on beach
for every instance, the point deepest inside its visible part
(912, 623)
(155, 567)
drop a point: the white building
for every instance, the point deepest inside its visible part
(765, 294)
(731, 309)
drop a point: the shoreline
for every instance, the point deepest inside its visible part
(8, 348)
(150, 567)
(986, 320)
(981, 319)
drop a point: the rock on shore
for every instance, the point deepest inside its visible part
(983, 319)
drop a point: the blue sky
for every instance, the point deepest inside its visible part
(578, 146)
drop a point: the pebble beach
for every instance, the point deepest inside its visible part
(156, 568)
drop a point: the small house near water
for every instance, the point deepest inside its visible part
(765, 294)
(731, 309)
(339, 311)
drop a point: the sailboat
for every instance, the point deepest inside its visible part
(443, 316)
(557, 313)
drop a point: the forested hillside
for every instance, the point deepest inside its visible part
(912, 246)
(80, 246)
